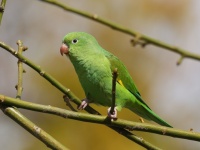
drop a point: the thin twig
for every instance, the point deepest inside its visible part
(67, 101)
(73, 97)
(114, 80)
(20, 71)
(145, 127)
(2, 7)
(138, 37)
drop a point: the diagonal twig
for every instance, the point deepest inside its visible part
(33, 129)
(138, 38)
(18, 117)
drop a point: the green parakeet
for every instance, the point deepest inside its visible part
(94, 66)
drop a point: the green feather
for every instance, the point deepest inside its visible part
(94, 67)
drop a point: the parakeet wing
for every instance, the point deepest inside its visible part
(124, 77)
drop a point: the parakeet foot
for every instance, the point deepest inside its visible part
(114, 115)
(84, 103)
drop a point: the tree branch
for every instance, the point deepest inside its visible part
(33, 129)
(138, 38)
(137, 126)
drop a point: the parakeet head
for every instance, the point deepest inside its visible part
(77, 44)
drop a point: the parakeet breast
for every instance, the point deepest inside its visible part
(95, 77)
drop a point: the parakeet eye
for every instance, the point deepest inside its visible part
(74, 41)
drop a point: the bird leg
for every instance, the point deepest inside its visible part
(113, 115)
(84, 103)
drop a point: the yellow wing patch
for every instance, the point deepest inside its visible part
(120, 82)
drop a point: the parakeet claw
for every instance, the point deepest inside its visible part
(114, 115)
(84, 103)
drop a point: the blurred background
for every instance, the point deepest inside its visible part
(171, 91)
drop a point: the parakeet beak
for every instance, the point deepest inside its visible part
(64, 49)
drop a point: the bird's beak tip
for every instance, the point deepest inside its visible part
(64, 49)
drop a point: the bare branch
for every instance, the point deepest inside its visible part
(20, 71)
(114, 80)
(33, 129)
(2, 7)
(14, 114)
(137, 126)
(138, 38)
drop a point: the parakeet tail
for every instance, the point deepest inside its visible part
(146, 113)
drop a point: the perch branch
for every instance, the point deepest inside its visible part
(145, 127)
(138, 37)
